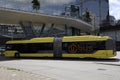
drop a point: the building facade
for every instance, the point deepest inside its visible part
(113, 32)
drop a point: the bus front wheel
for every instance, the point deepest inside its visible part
(17, 55)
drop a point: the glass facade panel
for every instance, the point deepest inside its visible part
(99, 9)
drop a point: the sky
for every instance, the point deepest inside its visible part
(115, 8)
(114, 5)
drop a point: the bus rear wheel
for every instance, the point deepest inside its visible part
(17, 55)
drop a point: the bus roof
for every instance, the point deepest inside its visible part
(65, 39)
(34, 40)
(85, 38)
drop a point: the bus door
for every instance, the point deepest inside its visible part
(57, 47)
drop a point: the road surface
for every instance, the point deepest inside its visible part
(68, 69)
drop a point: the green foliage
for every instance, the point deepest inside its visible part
(86, 16)
(36, 5)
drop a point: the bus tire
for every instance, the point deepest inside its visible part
(17, 55)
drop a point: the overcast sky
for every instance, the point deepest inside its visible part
(115, 8)
(114, 5)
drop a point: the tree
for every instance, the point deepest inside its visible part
(86, 16)
(36, 5)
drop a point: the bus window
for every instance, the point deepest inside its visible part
(82, 47)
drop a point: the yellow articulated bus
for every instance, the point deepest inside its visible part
(62, 47)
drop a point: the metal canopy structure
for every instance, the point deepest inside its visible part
(9, 16)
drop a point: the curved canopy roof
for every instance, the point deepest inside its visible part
(8, 16)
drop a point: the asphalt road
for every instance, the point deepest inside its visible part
(69, 69)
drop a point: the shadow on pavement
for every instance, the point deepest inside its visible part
(76, 59)
(93, 59)
(111, 64)
(2, 58)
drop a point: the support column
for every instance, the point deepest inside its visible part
(52, 25)
(66, 30)
(42, 29)
(28, 29)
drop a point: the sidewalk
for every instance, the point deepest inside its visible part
(16, 74)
